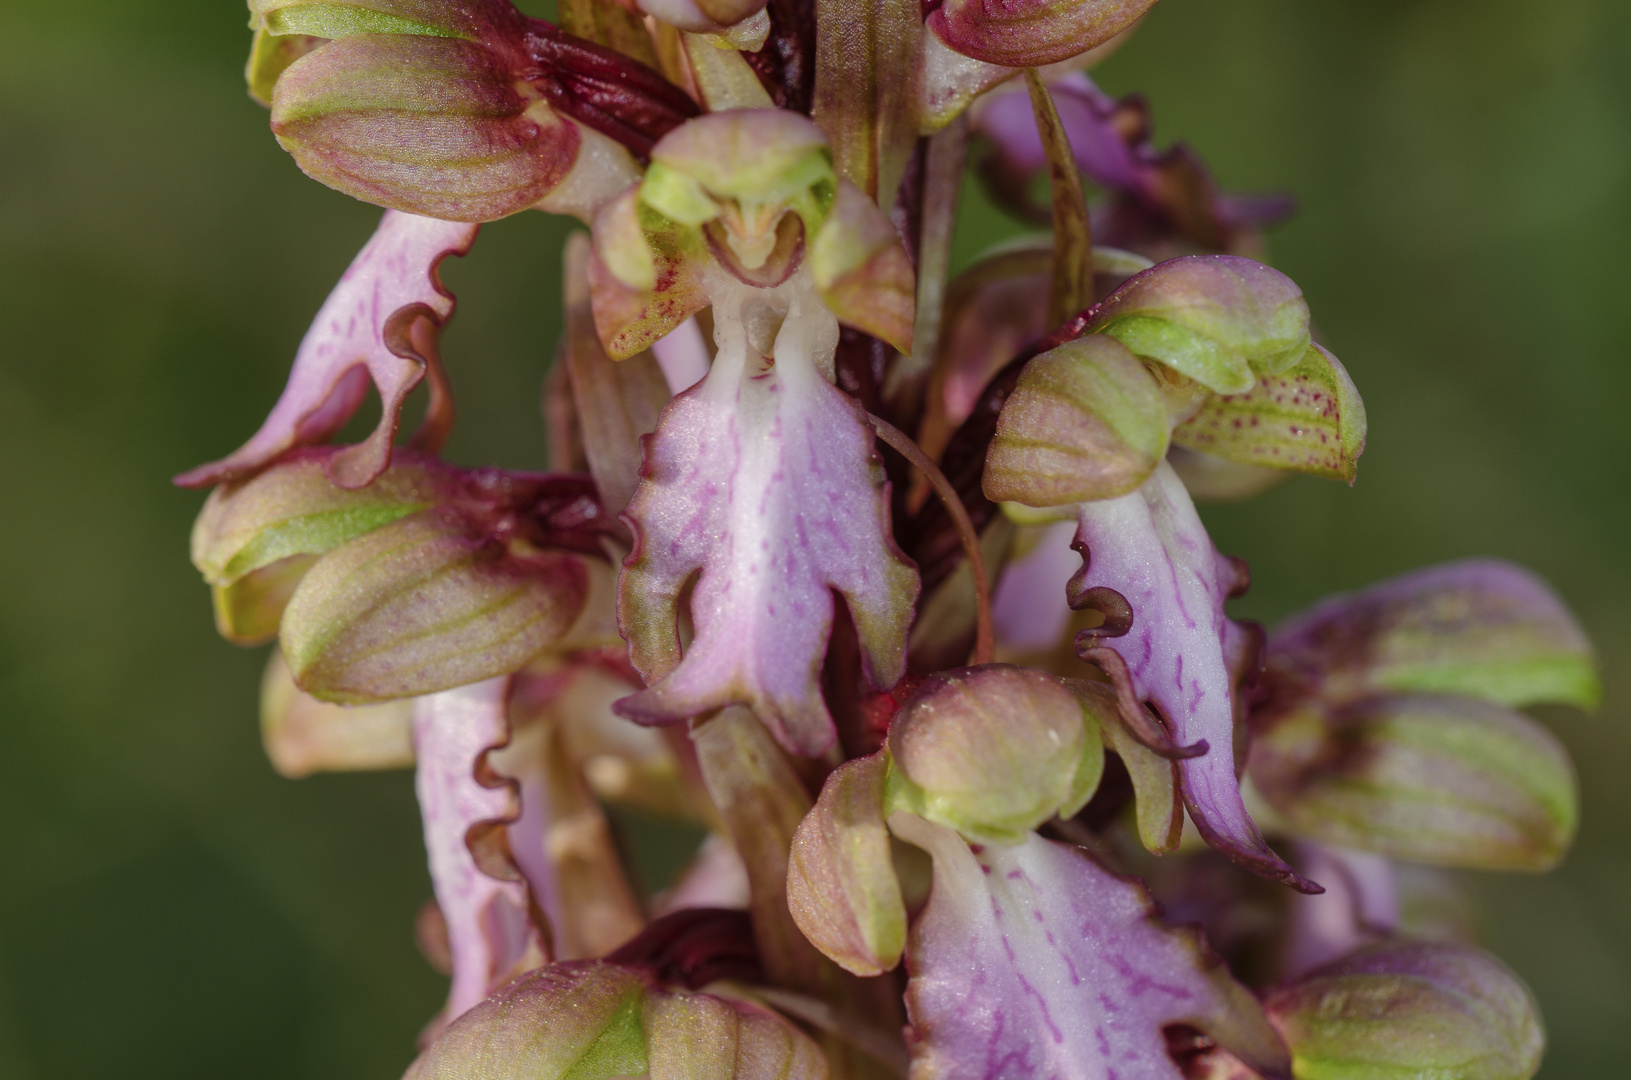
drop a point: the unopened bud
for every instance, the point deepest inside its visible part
(1421, 777)
(430, 125)
(1033, 32)
(1401, 1009)
(1086, 422)
(425, 604)
(995, 751)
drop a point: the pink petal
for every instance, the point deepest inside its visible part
(1151, 547)
(381, 323)
(489, 931)
(1032, 961)
(770, 486)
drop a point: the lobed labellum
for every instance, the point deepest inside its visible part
(1032, 961)
(764, 479)
(1033, 32)
(1162, 199)
(1151, 548)
(381, 323)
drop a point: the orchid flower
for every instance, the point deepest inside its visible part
(808, 490)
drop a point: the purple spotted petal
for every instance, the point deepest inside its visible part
(490, 934)
(769, 485)
(1034, 961)
(1151, 547)
(380, 323)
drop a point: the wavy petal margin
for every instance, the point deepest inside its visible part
(1151, 548)
(764, 478)
(1034, 961)
(489, 921)
(381, 322)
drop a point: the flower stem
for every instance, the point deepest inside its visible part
(984, 640)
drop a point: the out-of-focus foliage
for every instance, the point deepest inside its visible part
(171, 908)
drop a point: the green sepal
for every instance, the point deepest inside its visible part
(1421, 777)
(1309, 419)
(1404, 1010)
(293, 508)
(425, 604)
(331, 19)
(1086, 421)
(1218, 319)
(841, 883)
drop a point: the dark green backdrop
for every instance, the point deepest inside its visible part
(170, 908)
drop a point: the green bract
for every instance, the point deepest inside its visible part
(1218, 319)
(425, 604)
(1403, 1010)
(1086, 421)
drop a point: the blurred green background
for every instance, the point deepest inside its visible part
(171, 908)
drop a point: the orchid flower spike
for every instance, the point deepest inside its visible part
(889, 582)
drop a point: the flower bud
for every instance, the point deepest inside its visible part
(254, 541)
(424, 604)
(994, 751)
(434, 126)
(1217, 319)
(1407, 1009)
(1482, 628)
(1033, 32)
(1422, 777)
(293, 508)
(841, 885)
(269, 56)
(596, 1020)
(468, 19)
(1086, 421)
(577, 1019)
